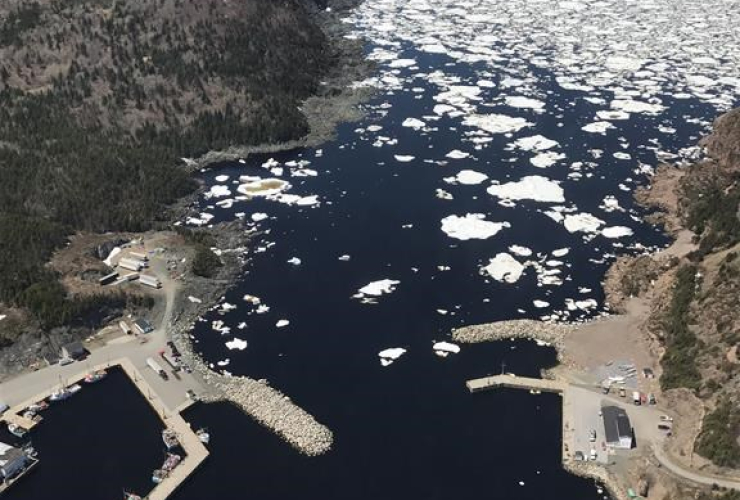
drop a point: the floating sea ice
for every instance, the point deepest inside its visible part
(597, 127)
(546, 159)
(378, 288)
(263, 187)
(582, 222)
(524, 103)
(236, 344)
(222, 178)
(471, 226)
(252, 299)
(456, 154)
(219, 326)
(496, 124)
(470, 177)
(226, 307)
(532, 187)
(295, 261)
(282, 323)
(224, 362)
(448, 347)
(631, 106)
(344, 258)
(259, 216)
(520, 250)
(622, 156)
(388, 356)
(404, 158)
(504, 267)
(560, 252)
(540, 304)
(443, 195)
(413, 123)
(612, 115)
(262, 309)
(616, 232)
(402, 63)
(271, 163)
(434, 48)
(535, 143)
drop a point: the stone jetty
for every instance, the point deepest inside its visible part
(276, 411)
(256, 398)
(550, 333)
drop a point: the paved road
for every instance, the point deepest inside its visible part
(172, 392)
(693, 476)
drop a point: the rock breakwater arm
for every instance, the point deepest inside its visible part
(275, 411)
(551, 333)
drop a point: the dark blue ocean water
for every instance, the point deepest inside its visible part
(409, 430)
(94, 445)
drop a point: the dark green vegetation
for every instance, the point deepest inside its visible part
(679, 360)
(713, 214)
(99, 100)
(718, 438)
(205, 262)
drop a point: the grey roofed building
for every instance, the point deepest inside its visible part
(617, 427)
(73, 350)
(12, 460)
(143, 325)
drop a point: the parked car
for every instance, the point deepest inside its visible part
(592, 436)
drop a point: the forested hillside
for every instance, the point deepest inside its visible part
(100, 98)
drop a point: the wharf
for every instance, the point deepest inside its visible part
(195, 451)
(514, 382)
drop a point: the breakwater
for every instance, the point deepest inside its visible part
(265, 404)
(549, 333)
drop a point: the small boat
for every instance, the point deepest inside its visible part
(17, 430)
(169, 437)
(74, 389)
(158, 475)
(97, 376)
(203, 435)
(37, 407)
(30, 451)
(60, 395)
(130, 496)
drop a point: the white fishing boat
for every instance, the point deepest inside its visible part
(203, 435)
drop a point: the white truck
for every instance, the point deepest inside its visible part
(157, 368)
(636, 398)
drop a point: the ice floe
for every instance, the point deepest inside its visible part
(471, 226)
(534, 187)
(388, 356)
(236, 344)
(504, 267)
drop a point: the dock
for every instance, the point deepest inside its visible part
(513, 382)
(195, 451)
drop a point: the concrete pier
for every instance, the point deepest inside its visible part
(194, 449)
(514, 382)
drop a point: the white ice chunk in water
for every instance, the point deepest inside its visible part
(388, 356)
(237, 344)
(413, 123)
(404, 158)
(471, 226)
(535, 187)
(503, 267)
(456, 154)
(378, 288)
(535, 143)
(496, 124)
(470, 177)
(546, 159)
(448, 347)
(282, 323)
(582, 222)
(616, 232)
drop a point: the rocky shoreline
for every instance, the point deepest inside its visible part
(337, 103)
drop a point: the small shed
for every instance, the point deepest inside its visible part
(74, 350)
(12, 461)
(143, 325)
(617, 427)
